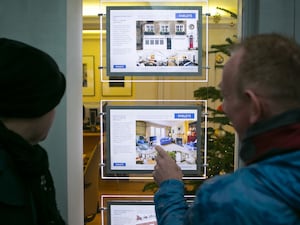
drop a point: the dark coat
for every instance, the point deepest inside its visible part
(26, 200)
(15, 201)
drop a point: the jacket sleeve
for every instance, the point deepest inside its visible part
(170, 204)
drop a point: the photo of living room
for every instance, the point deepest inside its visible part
(178, 138)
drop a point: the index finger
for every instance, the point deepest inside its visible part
(160, 151)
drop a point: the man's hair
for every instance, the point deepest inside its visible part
(270, 65)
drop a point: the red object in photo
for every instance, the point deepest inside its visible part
(191, 42)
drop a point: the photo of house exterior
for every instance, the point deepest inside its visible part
(167, 43)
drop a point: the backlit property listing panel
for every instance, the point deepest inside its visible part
(162, 40)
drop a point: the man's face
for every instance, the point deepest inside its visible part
(234, 106)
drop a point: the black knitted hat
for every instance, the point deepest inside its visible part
(31, 83)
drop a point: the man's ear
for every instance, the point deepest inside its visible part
(255, 106)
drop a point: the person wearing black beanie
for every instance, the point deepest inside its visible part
(31, 86)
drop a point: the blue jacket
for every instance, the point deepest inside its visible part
(265, 192)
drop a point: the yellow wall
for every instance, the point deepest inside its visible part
(91, 47)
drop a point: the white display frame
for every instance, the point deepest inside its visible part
(146, 176)
(127, 200)
(169, 79)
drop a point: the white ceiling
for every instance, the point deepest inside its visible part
(91, 9)
(231, 5)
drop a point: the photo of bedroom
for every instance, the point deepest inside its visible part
(178, 138)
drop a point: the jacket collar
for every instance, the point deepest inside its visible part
(278, 135)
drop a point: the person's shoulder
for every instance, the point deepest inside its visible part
(12, 189)
(223, 180)
(235, 188)
(228, 187)
(244, 197)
